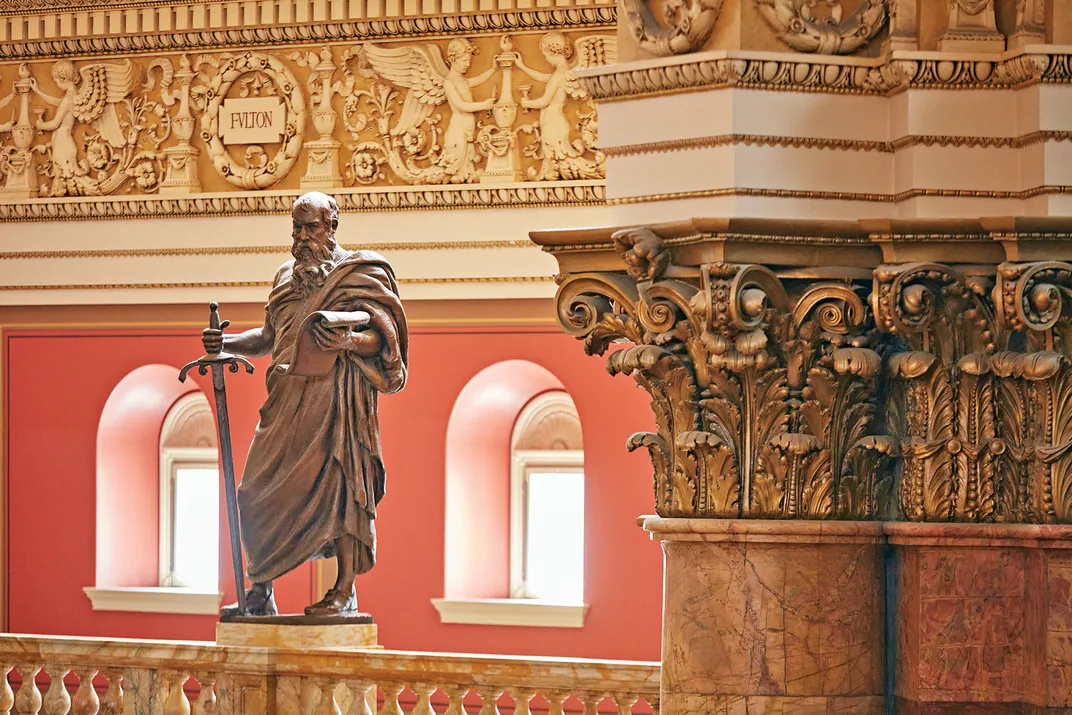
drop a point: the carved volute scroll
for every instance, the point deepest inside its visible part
(802, 29)
(763, 400)
(933, 392)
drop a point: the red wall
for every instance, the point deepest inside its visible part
(57, 383)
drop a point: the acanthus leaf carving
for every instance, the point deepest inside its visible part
(764, 404)
(800, 28)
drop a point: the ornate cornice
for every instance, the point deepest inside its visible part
(837, 144)
(788, 74)
(254, 250)
(264, 284)
(355, 30)
(872, 197)
(438, 198)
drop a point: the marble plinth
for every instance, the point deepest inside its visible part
(297, 637)
(984, 618)
(772, 617)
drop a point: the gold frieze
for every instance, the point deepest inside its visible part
(483, 111)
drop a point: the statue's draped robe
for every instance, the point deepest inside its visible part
(315, 469)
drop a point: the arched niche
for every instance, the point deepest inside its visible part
(128, 481)
(478, 455)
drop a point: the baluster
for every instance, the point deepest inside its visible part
(424, 693)
(28, 699)
(113, 698)
(177, 703)
(625, 702)
(206, 699)
(456, 693)
(57, 699)
(555, 698)
(7, 695)
(363, 692)
(390, 698)
(318, 697)
(85, 701)
(590, 701)
(490, 696)
(522, 698)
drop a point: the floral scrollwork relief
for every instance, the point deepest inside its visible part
(685, 27)
(804, 30)
(764, 401)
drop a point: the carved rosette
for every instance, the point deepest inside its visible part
(936, 393)
(764, 401)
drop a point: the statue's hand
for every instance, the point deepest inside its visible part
(212, 339)
(331, 338)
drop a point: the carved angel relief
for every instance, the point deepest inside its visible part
(412, 115)
(426, 145)
(803, 29)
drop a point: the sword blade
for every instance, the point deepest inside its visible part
(231, 492)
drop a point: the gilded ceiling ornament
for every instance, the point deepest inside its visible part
(684, 27)
(799, 27)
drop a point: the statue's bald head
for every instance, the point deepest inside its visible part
(319, 204)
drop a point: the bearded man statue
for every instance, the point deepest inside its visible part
(314, 475)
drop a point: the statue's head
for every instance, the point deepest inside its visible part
(64, 74)
(315, 219)
(460, 54)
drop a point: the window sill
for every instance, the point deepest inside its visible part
(155, 600)
(511, 612)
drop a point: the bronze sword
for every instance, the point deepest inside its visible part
(219, 361)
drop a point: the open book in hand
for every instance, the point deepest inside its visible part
(309, 359)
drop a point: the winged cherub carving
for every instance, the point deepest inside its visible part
(430, 82)
(91, 100)
(563, 157)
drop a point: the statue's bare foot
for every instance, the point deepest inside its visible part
(260, 601)
(334, 602)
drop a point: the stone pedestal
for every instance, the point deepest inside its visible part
(983, 618)
(297, 637)
(772, 616)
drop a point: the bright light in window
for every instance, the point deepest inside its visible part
(554, 538)
(195, 536)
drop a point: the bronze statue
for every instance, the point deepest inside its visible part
(337, 334)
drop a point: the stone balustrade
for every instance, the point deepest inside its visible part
(113, 677)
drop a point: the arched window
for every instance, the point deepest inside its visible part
(514, 500)
(189, 496)
(547, 501)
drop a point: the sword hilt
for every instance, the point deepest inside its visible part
(214, 322)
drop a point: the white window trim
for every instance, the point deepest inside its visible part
(510, 612)
(171, 459)
(524, 462)
(155, 600)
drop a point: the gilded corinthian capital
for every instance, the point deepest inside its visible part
(830, 370)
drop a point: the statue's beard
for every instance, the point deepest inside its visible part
(312, 263)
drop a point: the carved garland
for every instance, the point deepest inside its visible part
(692, 22)
(255, 175)
(802, 30)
